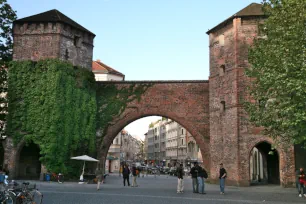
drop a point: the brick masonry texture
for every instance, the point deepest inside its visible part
(52, 40)
(184, 102)
(224, 135)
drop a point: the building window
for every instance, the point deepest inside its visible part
(221, 40)
(222, 70)
(77, 41)
(223, 106)
(182, 142)
(182, 131)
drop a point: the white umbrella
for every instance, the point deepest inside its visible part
(84, 158)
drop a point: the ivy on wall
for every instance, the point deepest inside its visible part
(53, 104)
(112, 101)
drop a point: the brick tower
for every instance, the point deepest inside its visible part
(231, 136)
(52, 35)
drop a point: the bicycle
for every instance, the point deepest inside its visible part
(6, 197)
(24, 195)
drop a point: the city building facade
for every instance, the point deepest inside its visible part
(172, 140)
(125, 148)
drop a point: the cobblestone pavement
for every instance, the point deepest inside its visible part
(161, 190)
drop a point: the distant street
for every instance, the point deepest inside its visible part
(161, 190)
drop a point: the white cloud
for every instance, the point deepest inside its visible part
(139, 127)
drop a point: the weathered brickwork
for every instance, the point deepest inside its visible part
(185, 102)
(212, 111)
(36, 41)
(231, 136)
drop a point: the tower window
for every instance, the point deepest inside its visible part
(77, 41)
(222, 70)
(66, 54)
(221, 40)
(223, 106)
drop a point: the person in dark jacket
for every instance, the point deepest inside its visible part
(194, 175)
(202, 175)
(134, 173)
(126, 173)
(180, 181)
(222, 176)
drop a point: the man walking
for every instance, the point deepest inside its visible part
(180, 182)
(194, 176)
(134, 172)
(222, 176)
(99, 176)
(126, 173)
(300, 181)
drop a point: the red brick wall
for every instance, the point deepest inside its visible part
(186, 102)
(231, 135)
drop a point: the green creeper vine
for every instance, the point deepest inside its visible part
(53, 104)
(112, 101)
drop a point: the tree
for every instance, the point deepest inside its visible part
(7, 16)
(278, 72)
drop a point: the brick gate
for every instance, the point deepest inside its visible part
(186, 102)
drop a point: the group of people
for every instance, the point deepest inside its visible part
(126, 175)
(199, 175)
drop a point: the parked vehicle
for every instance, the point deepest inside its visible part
(172, 171)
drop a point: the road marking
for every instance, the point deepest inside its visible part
(168, 197)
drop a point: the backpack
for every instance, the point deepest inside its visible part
(205, 175)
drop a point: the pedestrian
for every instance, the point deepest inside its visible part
(202, 175)
(300, 181)
(99, 176)
(180, 181)
(194, 176)
(125, 174)
(222, 176)
(134, 172)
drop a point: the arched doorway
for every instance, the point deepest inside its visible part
(29, 166)
(264, 164)
(165, 144)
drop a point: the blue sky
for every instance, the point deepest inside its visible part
(146, 39)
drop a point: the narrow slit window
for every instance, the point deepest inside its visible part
(221, 40)
(222, 70)
(223, 107)
(77, 41)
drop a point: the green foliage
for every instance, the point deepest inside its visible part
(151, 125)
(53, 104)
(111, 102)
(7, 16)
(279, 72)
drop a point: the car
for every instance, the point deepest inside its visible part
(172, 171)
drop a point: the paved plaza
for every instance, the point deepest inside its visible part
(161, 190)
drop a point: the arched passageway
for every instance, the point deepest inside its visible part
(29, 166)
(264, 164)
(186, 102)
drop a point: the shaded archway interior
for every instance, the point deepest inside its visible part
(29, 165)
(264, 164)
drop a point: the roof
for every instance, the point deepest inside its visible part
(98, 66)
(52, 16)
(254, 9)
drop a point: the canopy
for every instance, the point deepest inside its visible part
(84, 158)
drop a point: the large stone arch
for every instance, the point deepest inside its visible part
(185, 102)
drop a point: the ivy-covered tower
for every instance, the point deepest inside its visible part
(51, 34)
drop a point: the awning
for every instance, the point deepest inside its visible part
(111, 158)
